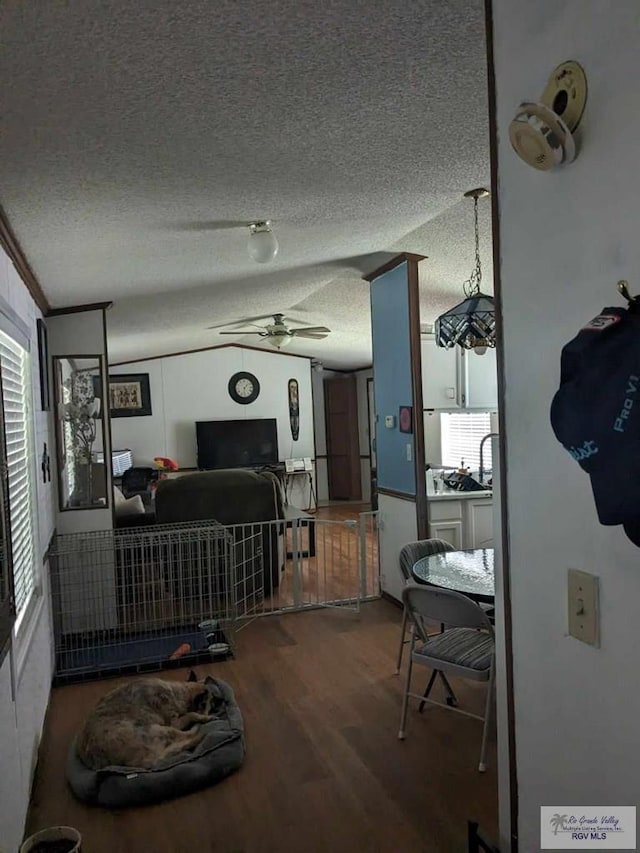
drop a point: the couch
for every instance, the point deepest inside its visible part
(232, 497)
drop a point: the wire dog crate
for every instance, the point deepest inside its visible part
(147, 598)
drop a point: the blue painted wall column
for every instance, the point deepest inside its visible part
(395, 332)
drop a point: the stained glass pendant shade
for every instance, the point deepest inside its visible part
(472, 323)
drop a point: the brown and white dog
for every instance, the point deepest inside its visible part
(144, 721)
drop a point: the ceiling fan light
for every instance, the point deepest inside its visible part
(262, 245)
(279, 340)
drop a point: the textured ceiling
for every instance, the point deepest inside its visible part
(138, 137)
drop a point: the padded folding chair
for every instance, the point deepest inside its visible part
(410, 554)
(466, 648)
(477, 842)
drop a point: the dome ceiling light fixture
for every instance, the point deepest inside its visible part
(279, 339)
(262, 244)
(472, 323)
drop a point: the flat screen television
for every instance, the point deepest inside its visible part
(236, 444)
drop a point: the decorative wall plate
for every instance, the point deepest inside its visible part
(566, 93)
(405, 419)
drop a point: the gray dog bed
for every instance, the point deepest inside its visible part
(219, 753)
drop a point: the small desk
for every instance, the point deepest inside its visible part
(304, 519)
(288, 478)
(468, 572)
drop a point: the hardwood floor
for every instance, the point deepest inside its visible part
(324, 770)
(333, 573)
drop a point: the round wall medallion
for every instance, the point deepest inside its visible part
(541, 138)
(566, 93)
(244, 387)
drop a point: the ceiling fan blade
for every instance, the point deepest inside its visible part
(243, 333)
(310, 329)
(244, 321)
(204, 225)
(316, 336)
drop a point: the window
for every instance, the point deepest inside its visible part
(16, 391)
(6, 594)
(460, 436)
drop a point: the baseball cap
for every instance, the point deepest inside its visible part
(595, 412)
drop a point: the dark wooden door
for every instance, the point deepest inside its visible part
(343, 444)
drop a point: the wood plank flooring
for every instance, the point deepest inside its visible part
(333, 573)
(147, 601)
(324, 770)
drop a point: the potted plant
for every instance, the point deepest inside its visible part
(54, 839)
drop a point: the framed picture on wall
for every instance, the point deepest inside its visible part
(129, 395)
(60, 404)
(43, 363)
(405, 419)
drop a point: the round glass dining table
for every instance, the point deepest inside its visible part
(468, 572)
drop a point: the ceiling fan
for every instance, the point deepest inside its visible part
(278, 334)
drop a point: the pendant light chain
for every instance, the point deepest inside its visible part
(471, 286)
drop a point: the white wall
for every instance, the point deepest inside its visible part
(194, 387)
(566, 238)
(25, 674)
(398, 526)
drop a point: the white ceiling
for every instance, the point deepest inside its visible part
(138, 137)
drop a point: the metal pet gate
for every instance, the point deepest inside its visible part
(148, 598)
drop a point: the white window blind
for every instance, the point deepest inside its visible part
(460, 439)
(16, 389)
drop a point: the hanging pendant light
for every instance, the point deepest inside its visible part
(472, 323)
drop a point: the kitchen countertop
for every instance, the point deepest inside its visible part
(453, 495)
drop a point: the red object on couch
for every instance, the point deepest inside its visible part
(165, 463)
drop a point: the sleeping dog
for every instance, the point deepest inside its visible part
(145, 721)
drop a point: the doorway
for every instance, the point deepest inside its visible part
(371, 417)
(343, 443)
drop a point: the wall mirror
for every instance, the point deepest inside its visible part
(82, 480)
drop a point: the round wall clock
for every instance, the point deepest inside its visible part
(244, 387)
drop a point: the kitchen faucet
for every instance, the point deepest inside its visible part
(482, 441)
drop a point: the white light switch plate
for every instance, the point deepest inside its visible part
(583, 607)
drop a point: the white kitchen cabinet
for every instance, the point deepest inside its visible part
(445, 521)
(478, 523)
(465, 522)
(440, 379)
(455, 379)
(450, 531)
(480, 380)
